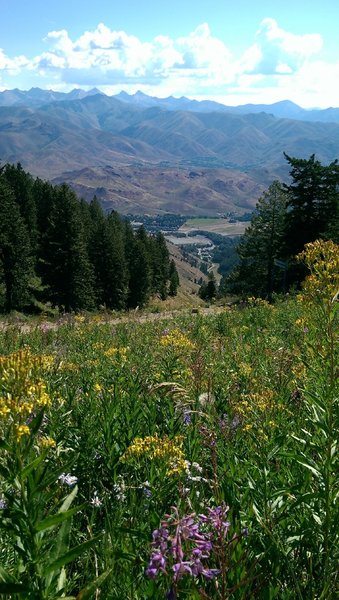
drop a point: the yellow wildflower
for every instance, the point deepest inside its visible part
(168, 451)
(176, 340)
(47, 442)
(322, 259)
(21, 430)
(79, 318)
(22, 391)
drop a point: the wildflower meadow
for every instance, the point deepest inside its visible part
(182, 457)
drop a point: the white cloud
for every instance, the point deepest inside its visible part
(278, 51)
(278, 65)
(116, 55)
(12, 65)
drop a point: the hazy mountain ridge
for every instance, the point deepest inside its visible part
(139, 137)
(36, 97)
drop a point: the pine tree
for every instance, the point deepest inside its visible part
(312, 208)
(21, 184)
(260, 247)
(96, 245)
(159, 260)
(140, 274)
(208, 290)
(66, 267)
(173, 279)
(16, 264)
(313, 201)
(115, 277)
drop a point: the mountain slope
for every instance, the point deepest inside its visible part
(155, 150)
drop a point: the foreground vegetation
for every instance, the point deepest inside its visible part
(187, 458)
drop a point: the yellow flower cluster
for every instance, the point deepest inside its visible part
(255, 402)
(322, 259)
(168, 451)
(245, 369)
(21, 430)
(98, 346)
(79, 318)
(117, 353)
(21, 388)
(176, 340)
(253, 301)
(47, 442)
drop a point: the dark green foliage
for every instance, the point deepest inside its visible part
(59, 250)
(260, 246)
(313, 201)
(160, 265)
(208, 290)
(21, 184)
(173, 279)
(96, 246)
(140, 275)
(225, 254)
(16, 264)
(312, 208)
(286, 218)
(115, 275)
(67, 269)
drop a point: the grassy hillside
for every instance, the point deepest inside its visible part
(193, 456)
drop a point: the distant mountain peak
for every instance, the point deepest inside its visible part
(285, 109)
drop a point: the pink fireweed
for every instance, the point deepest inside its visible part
(185, 544)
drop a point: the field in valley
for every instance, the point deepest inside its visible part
(214, 225)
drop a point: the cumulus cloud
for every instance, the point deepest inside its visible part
(12, 65)
(104, 55)
(279, 51)
(278, 63)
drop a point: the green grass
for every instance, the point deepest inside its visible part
(246, 396)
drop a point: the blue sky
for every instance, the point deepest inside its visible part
(233, 52)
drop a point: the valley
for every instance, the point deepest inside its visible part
(144, 155)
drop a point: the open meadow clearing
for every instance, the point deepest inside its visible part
(214, 225)
(189, 457)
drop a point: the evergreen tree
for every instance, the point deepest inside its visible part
(96, 245)
(260, 247)
(312, 208)
(115, 277)
(140, 275)
(66, 267)
(21, 184)
(159, 260)
(173, 279)
(16, 264)
(208, 290)
(313, 202)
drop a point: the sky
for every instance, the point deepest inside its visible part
(234, 52)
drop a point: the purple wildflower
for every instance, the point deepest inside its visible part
(211, 573)
(186, 543)
(147, 492)
(187, 419)
(217, 519)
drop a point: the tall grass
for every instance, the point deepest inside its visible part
(193, 457)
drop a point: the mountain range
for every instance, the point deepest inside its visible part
(143, 154)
